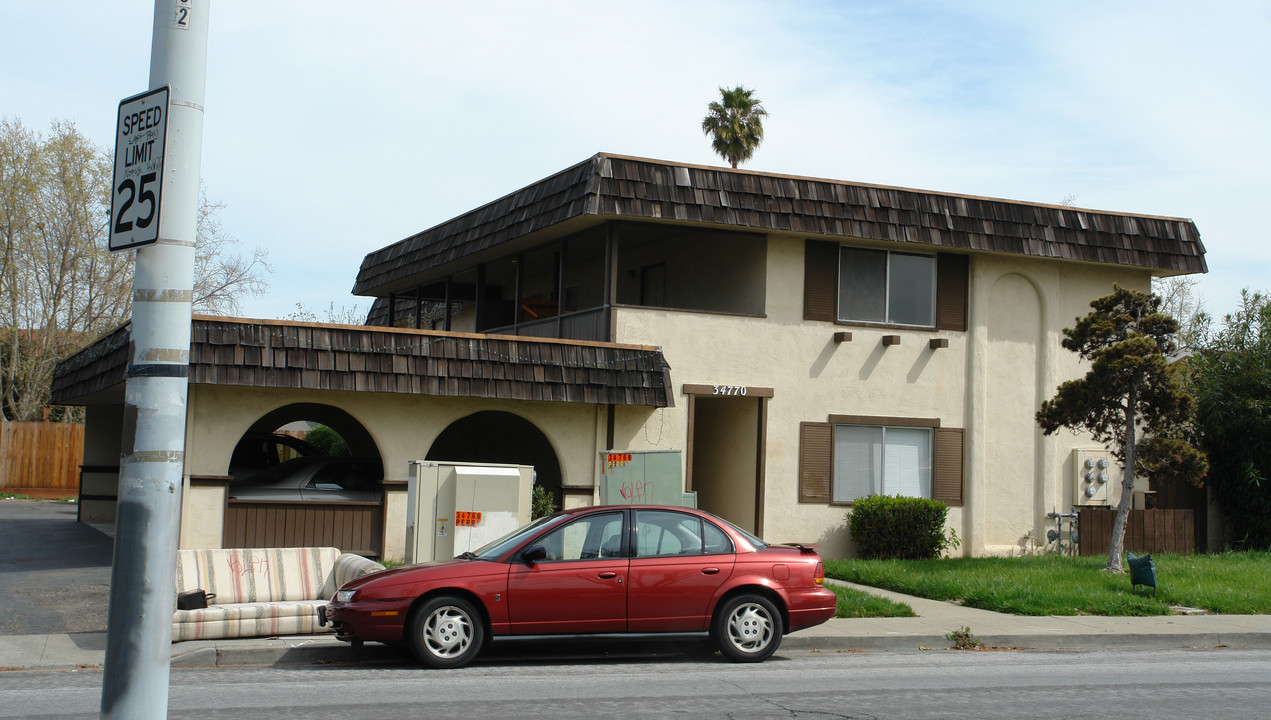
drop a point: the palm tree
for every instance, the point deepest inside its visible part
(735, 124)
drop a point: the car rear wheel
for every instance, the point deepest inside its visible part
(747, 628)
(446, 632)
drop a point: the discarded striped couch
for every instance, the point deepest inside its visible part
(261, 592)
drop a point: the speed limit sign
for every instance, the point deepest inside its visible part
(139, 139)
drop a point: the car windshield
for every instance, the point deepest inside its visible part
(493, 550)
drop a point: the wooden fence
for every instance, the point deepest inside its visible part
(1146, 531)
(352, 527)
(41, 455)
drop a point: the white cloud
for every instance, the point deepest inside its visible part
(333, 130)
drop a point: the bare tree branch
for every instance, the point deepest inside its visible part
(222, 278)
(60, 285)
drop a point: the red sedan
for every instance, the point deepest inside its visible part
(623, 570)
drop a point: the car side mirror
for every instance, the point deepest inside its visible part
(533, 554)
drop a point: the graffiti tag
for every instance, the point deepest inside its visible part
(636, 491)
(254, 567)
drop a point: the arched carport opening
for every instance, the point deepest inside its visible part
(360, 442)
(305, 496)
(492, 436)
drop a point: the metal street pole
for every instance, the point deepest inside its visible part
(151, 468)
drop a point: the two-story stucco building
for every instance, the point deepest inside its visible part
(802, 342)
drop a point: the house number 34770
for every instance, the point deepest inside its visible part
(728, 389)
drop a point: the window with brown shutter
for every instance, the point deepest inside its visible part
(822, 291)
(946, 470)
(951, 291)
(816, 458)
(820, 280)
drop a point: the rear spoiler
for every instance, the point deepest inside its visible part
(806, 549)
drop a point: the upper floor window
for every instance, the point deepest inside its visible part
(859, 285)
(886, 287)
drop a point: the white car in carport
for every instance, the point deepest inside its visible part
(324, 478)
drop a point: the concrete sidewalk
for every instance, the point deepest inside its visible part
(925, 632)
(1053, 632)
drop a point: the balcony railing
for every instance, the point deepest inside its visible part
(592, 324)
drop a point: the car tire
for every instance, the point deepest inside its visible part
(446, 632)
(747, 628)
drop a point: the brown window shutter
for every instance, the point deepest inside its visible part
(816, 455)
(946, 475)
(820, 280)
(951, 291)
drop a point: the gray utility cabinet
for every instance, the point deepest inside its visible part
(641, 477)
(455, 507)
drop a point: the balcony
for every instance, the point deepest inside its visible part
(592, 324)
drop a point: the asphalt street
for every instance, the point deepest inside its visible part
(54, 572)
(1186, 684)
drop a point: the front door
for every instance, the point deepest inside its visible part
(727, 428)
(580, 587)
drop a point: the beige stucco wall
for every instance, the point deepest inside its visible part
(990, 381)
(1014, 480)
(202, 515)
(402, 426)
(395, 509)
(103, 434)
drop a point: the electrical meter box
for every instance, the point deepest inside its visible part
(454, 507)
(1098, 479)
(643, 477)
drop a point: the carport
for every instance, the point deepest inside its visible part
(388, 391)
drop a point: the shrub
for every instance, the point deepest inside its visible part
(327, 440)
(542, 503)
(964, 639)
(905, 528)
(1231, 378)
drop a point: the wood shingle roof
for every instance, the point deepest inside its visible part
(280, 354)
(614, 186)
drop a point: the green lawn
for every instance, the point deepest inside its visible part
(10, 495)
(853, 603)
(1230, 583)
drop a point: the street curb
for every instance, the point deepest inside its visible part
(301, 651)
(330, 652)
(1091, 641)
(295, 651)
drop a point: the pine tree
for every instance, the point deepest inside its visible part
(1130, 391)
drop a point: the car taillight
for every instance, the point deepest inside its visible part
(818, 577)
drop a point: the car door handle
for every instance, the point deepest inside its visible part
(607, 575)
(710, 570)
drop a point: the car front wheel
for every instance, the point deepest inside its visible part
(747, 628)
(446, 632)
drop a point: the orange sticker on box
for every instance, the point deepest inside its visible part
(615, 460)
(467, 519)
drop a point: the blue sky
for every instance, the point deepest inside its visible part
(334, 128)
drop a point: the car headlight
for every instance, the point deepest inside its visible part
(343, 596)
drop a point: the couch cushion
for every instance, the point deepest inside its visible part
(257, 575)
(348, 567)
(247, 620)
